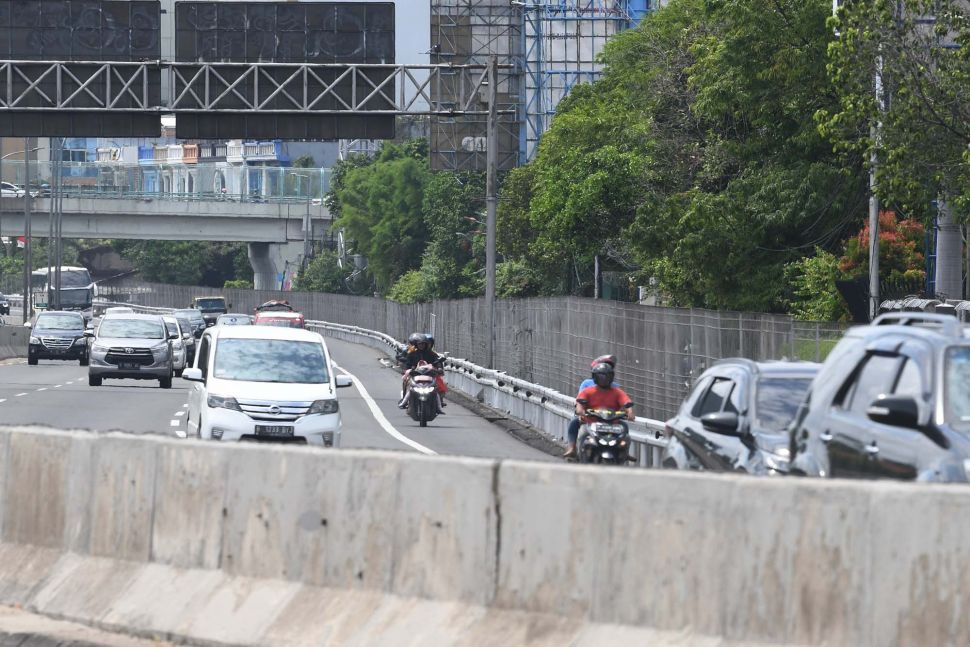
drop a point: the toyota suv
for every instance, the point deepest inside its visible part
(892, 400)
(266, 384)
(131, 346)
(57, 335)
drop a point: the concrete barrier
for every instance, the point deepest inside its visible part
(255, 545)
(13, 341)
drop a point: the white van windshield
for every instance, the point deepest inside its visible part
(271, 360)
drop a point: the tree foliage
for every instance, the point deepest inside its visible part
(322, 274)
(812, 282)
(187, 262)
(923, 109)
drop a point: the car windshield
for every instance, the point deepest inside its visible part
(59, 322)
(271, 360)
(130, 329)
(956, 378)
(185, 323)
(211, 304)
(777, 401)
(173, 328)
(75, 297)
(192, 315)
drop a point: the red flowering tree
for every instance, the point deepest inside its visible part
(901, 244)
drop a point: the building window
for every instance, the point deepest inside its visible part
(75, 155)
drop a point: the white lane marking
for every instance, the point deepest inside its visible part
(181, 434)
(57, 386)
(185, 406)
(174, 423)
(3, 400)
(381, 419)
(179, 413)
(43, 388)
(19, 395)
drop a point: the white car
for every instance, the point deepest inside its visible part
(180, 358)
(264, 383)
(8, 190)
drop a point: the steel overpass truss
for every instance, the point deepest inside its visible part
(255, 88)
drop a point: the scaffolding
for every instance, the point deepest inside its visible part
(562, 42)
(466, 32)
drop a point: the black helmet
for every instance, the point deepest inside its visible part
(428, 337)
(603, 375)
(416, 338)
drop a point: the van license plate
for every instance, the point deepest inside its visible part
(264, 430)
(129, 366)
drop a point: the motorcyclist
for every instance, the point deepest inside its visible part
(572, 431)
(420, 350)
(602, 395)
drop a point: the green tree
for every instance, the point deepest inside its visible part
(381, 210)
(187, 262)
(409, 288)
(812, 283)
(923, 115)
(322, 274)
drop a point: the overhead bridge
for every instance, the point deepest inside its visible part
(276, 231)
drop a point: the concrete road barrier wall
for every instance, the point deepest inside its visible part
(13, 341)
(257, 545)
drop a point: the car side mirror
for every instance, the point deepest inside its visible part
(193, 375)
(186, 335)
(895, 410)
(723, 422)
(89, 332)
(343, 381)
(173, 336)
(27, 324)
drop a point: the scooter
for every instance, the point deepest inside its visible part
(423, 403)
(606, 439)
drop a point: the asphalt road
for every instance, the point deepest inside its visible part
(56, 394)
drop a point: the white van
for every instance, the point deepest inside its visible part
(264, 383)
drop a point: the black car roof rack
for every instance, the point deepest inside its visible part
(946, 324)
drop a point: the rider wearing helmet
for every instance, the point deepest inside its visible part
(420, 350)
(603, 394)
(572, 432)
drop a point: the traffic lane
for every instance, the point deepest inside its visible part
(57, 395)
(459, 432)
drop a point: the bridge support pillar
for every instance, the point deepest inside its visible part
(275, 265)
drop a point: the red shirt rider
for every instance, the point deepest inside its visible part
(593, 397)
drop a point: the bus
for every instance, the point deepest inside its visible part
(77, 289)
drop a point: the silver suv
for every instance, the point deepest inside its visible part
(131, 346)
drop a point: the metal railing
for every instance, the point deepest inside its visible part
(543, 408)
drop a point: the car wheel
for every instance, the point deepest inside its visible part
(84, 361)
(94, 380)
(32, 361)
(165, 382)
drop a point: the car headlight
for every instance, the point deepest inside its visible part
(220, 402)
(160, 347)
(34, 340)
(80, 341)
(324, 406)
(97, 348)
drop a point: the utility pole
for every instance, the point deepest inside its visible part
(491, 204)
(28, 300)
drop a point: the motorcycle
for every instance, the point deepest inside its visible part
(423, 404)
(606, 439)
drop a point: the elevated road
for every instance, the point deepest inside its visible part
(57, 394)
(166, 219)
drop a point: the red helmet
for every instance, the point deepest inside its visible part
(604, 359)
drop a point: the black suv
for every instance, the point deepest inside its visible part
(892, 401)
(736, 418)
(57, 335)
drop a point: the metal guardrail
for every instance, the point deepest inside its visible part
(543, 408)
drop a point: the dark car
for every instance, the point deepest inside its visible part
(736, 417)
(57, 335)
(196, 321)
(211, 308)
(892, 400)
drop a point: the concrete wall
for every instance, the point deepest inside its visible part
(13, 340)
(275, 545)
